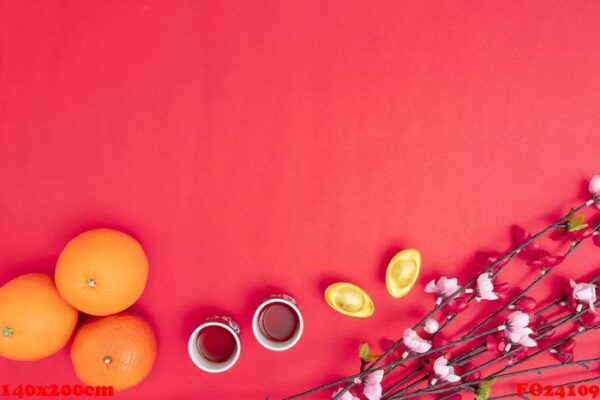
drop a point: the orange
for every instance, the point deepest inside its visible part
(102, 271)
(35, 321)
(118, 351)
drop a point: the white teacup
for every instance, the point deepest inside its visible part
(200, 359)
(268, 342)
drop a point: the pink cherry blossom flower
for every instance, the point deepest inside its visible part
(443, 371)
(414, 342)
(372, 385)
(444, 287)
(485, 288)
(595, 189)
(346, 396)
(517, 330)
(431, 326)
(584, 293)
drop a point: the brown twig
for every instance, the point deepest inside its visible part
(563, 321)
(507, 256)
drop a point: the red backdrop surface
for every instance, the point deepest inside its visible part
(260, 147)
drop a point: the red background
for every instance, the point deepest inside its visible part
(259, 147)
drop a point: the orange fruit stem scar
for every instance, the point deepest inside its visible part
(35, 321)
(119, 351)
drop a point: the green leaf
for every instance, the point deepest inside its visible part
(575, 223)
(484, 390)
(577, 219)
(363, 351)
(579, 227)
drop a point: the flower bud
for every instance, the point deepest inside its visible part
(595, 185)
(564, 356)
(431, 326)
(585, 233)
(465, 368)
(569, 345)
(589, 319)
(544, 343)
(457, 305)
(439, 340)
(520, 236)
(520, 354)
(488, 259)
(526, 304)
(501, 289)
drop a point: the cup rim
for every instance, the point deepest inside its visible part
(268, 344)
(195, 354)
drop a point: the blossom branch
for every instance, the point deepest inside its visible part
(480, 349)
(505, 306)
(557, 323)
(537, 280)
(495, 376)
(494, 266)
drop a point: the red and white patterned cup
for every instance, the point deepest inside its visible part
(200, 360)
(268, 342)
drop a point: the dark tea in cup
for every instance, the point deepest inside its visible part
(215, 345)
(277, 323)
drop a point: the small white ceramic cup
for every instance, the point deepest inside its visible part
(201, 361)
(272, 344)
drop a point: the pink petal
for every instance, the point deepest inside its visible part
(373, 393)
(514, 337)
(431, 287)
(345, 396)
(572, 283)
(595, 185)
(422, 347)
(489, 296)
(518, 319)
(526, 341)
(452, 378)
(374, 378)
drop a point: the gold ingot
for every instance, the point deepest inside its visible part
(402, 272)
(349, 299)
